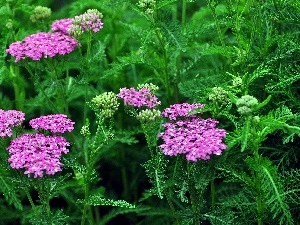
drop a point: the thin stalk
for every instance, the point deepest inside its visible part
(193, 196)
(165, 65)
(87, 208)
(62, 94)
(43, 191)
(171, 205)
(31, 202)
(19, 90)
(41, 89)
(218, 26)
(183, 12)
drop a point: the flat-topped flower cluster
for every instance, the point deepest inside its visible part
(37, 153)
(58, 42)
(190, 135)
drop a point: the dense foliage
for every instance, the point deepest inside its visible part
(150, 112)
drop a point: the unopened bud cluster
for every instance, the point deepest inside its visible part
(147, 6)
(237, 81)
(148, 115)
(85, 130)
(219, 96)
(106, 104)
(153, 88)
(246, 104)
(40, 13)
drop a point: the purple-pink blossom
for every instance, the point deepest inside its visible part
(197, 138)
(56, 123)
(37, 154)
(89, 21)
(62, 25)
(8, 120)
(42, 45)
(138, 98)
(180, 110)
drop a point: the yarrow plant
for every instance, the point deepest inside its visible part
(42, 45)
(38, 154)
(62, 25)
(90, 20)
(56, 123)
(138, 98)
(8, 120)
(197, 138)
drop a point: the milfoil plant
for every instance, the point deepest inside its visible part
(149, 112)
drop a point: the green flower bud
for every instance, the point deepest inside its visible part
(75, 30)
(40, 13)
(255, 119)
(147, 6)
(85, 130)
(219, 96)
(153, 88)
(9, 24)
(106, 104)
(247, 100)
(244, 110)
(148, 115)
(237, 82)
(99, 14)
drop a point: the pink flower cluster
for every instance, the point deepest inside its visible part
(62, 25)
(42, 45)
(9, 119)
(180, 110)
(56, 123)
(89, 21)
(37, 153)
(197, 138)
(138, 98)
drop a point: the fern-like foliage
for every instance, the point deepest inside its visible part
(271, 189)
(156, 171)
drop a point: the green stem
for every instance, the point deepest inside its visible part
(213, 194)
(171, 205)
(19, 90)
(193, 196)
(213, 10)
(40, 88)
(183, 12)
(44, 195)
(87, 210)
(31, 202)
(165, 65)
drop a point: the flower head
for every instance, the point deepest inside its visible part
(245, 104)
(62, 25)
(37, 154)
(180, 110)
(90, 20)
(106, 104)
(197, 138)
(57, 123)
(148, 115)
(42, 45)
(9, 119)
(40, 13)
(138, 98)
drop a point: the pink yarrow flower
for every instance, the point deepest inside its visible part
(42, 45)
(8, 120)
(89, 21)
(62, 25)
(37, 154)
(180, 110)
(194, 137)
(56, 123)
(138, 98)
